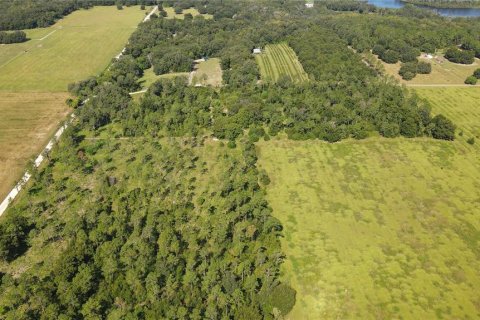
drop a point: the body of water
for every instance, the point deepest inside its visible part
(450, 12)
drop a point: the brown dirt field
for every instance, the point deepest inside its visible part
(27, 121)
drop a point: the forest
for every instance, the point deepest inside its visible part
(155, 208)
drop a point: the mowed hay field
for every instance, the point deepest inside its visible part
(382, 228)
(26, 123)
(34, 77)
(277, 60)
(80, 45)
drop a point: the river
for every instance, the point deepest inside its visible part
(448, 12)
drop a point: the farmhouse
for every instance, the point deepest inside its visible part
(257, 51)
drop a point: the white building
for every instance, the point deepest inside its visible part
(309, 4)
(257, 51)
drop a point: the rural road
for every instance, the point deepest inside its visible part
(38, 161)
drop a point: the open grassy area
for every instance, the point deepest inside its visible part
(27, 122)
(80, 45)
(382, 228)
(459, 104)
(280, 59)
(208, 73)
(34, 77)
(149, 77)
(444, 72)
(194, 12)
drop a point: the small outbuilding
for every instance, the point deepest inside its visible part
(257, 51)
(309, 4)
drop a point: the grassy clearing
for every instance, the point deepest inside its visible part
(194, 12)
(27, 122)
(381, 228)
(459, 104)
(443, 72)
(149, 77)
(78, 46)
(208, 73)
(280, 59)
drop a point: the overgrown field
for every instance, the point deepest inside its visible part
(382, 228)
(277, 60)
(80, 45)
(378, 228)
(194, 12)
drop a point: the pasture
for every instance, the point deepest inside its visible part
(443, 72)
(277, 60)
(208, 73)
(80, 45)
(378, 229)
(382, 228)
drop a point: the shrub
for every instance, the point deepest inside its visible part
(476, 73)
(471, 141)
(471, 80)
(390, 56)
(408, 70)
(443, 128)
(283, 297)
(424, 67)
(460, 56)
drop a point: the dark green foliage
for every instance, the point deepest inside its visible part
(390, 56)
(471, 80)
(12, 37)
(471, 140)
(13, 236)
(408, 70)
(476, 73)
(460, 56)
(424, 67)
(282, 298)
(443, 128)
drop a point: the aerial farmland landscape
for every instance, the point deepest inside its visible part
(226, 159)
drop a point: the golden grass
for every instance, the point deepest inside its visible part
(28, 120)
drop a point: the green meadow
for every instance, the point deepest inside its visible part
(382, 228)
(80, 45)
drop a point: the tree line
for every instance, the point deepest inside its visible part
(12, 37)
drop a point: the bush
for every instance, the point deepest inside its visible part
(460, 56)
(443, 128)
(471, 80)
(476, 73)
(390, 56)
(471, 141)
(424, 67)
(12, 37)
(408, 70)
(282, 297)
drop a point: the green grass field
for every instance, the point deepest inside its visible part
(208, 73)
(277, 60)
(443, 72)
(149, 77)
(80, 45)
(34, 77)
(382, 228)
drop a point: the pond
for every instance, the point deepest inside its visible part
(448, 12)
